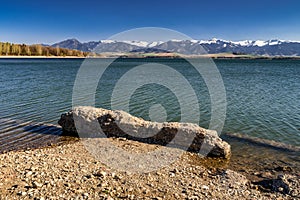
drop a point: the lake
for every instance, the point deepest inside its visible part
(263, 96)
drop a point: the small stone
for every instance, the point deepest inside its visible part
(14, 186)
(67, 184)
(33, 168)
(103, 174)
(283, 168)
(128, 173)
(79, 191)
(88, 176)
(85, 194)
(294, 193)
(36, 184)
(205, 187)
(266, 175)
(146, 191)
(29, 173)
(280, 176)
(21, 193)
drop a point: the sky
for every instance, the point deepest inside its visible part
(47, 22)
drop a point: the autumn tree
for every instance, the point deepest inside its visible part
(15, 49)
(37, 50)
(27, 51)
(5, 48)
(57, 53)
(0, 48)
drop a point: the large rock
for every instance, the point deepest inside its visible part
(284, 183)
(98, 122)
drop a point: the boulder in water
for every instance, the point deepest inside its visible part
(98, 122)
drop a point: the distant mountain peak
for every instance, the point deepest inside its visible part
(271, 47)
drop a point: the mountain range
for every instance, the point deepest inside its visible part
(188, 47)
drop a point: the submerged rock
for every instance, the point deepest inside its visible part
(97, 122)
(264, 142)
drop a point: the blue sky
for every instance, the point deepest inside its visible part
(37, 21)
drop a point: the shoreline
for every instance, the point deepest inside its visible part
(68, 171)
(121, 56)
(38, 57)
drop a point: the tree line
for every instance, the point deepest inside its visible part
(10, 49)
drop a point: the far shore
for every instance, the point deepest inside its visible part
(162, 55)
(41, 57)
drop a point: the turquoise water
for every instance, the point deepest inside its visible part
(263, 96)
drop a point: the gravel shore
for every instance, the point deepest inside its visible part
(69, 172)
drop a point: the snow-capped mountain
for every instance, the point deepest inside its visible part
(190, 47)
(135, 43)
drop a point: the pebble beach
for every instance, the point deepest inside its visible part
(69, 171)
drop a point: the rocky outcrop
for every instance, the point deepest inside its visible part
(98, 122)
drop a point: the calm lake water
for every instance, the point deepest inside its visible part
(263, 96)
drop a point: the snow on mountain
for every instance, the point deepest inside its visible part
(243, 42)
(212, 41)
(136, 43)
(277, 42)
(194, 41)
(260, 43)
(153, 44)
(107, 41)
(175, 40)
(143, 44)
(255, 47)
